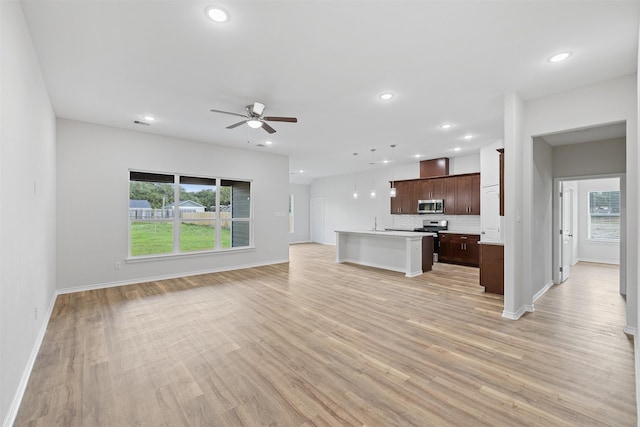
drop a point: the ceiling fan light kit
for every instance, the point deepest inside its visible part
(217, 14)
(254, 117)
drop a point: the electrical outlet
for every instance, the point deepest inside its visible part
(117, 265)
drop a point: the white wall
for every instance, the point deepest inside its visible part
(589, 158)
(301, 230)
(27, 207)
(341, 211)
(590, 250)
(607, 102)
(464, 164)
(490, 164)
(541, 244)
(93, 174)
(517, 295)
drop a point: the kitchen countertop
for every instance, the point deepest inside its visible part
(460, 232)
(490, 243)
(389, 233)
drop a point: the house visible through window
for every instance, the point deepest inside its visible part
(212, 214)
(604, 215)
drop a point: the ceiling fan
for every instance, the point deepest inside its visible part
(254, 118)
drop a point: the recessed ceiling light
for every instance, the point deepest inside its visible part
(559, 57)
(301, 171)
(268, 142)
(456, 149)
(149, 118)
(468, 136)
(217, 14)
(386, 96)
(445, 126)
(417, 156)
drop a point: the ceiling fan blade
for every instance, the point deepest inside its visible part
(281, 119)
(235, 125)
(227, 112)
(258, 108)
(268, 128)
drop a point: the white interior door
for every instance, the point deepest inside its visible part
(317, 219)
(490, 214)
(566, 254)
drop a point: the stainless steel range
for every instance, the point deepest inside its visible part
(433, 226)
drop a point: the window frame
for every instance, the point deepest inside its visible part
(589, 216)
(176, 219)
(291, 213)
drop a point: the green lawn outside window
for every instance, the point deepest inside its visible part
(153, 238)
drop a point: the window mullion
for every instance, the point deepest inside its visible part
(218, 214)
(176, 214)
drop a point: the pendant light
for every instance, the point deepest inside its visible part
(355, 184)
(373, 188)
(392, 192)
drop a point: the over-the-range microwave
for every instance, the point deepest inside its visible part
(435, 206)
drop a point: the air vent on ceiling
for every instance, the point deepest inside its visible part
(138, 122)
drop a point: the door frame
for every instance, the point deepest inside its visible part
(557, 224)
(564, 194)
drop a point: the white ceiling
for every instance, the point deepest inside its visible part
(325, 62)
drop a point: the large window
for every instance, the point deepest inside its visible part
(604, 215)
(171, 214)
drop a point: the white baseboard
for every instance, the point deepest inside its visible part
(163, 277)
(300, 242)
(12, 413)
(542, 291)
(518, 314)
(629, 330)
(598, 261)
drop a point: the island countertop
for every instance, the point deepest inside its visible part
(388, 249)
(390, 233)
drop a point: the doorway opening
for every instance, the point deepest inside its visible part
(587, 226)
(581, 173)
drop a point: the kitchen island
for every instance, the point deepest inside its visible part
(408, 252)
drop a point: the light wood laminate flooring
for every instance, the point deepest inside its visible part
(315, 343)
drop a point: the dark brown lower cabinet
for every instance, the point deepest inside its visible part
(427, 253)
(492, 268)
(459, 249)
